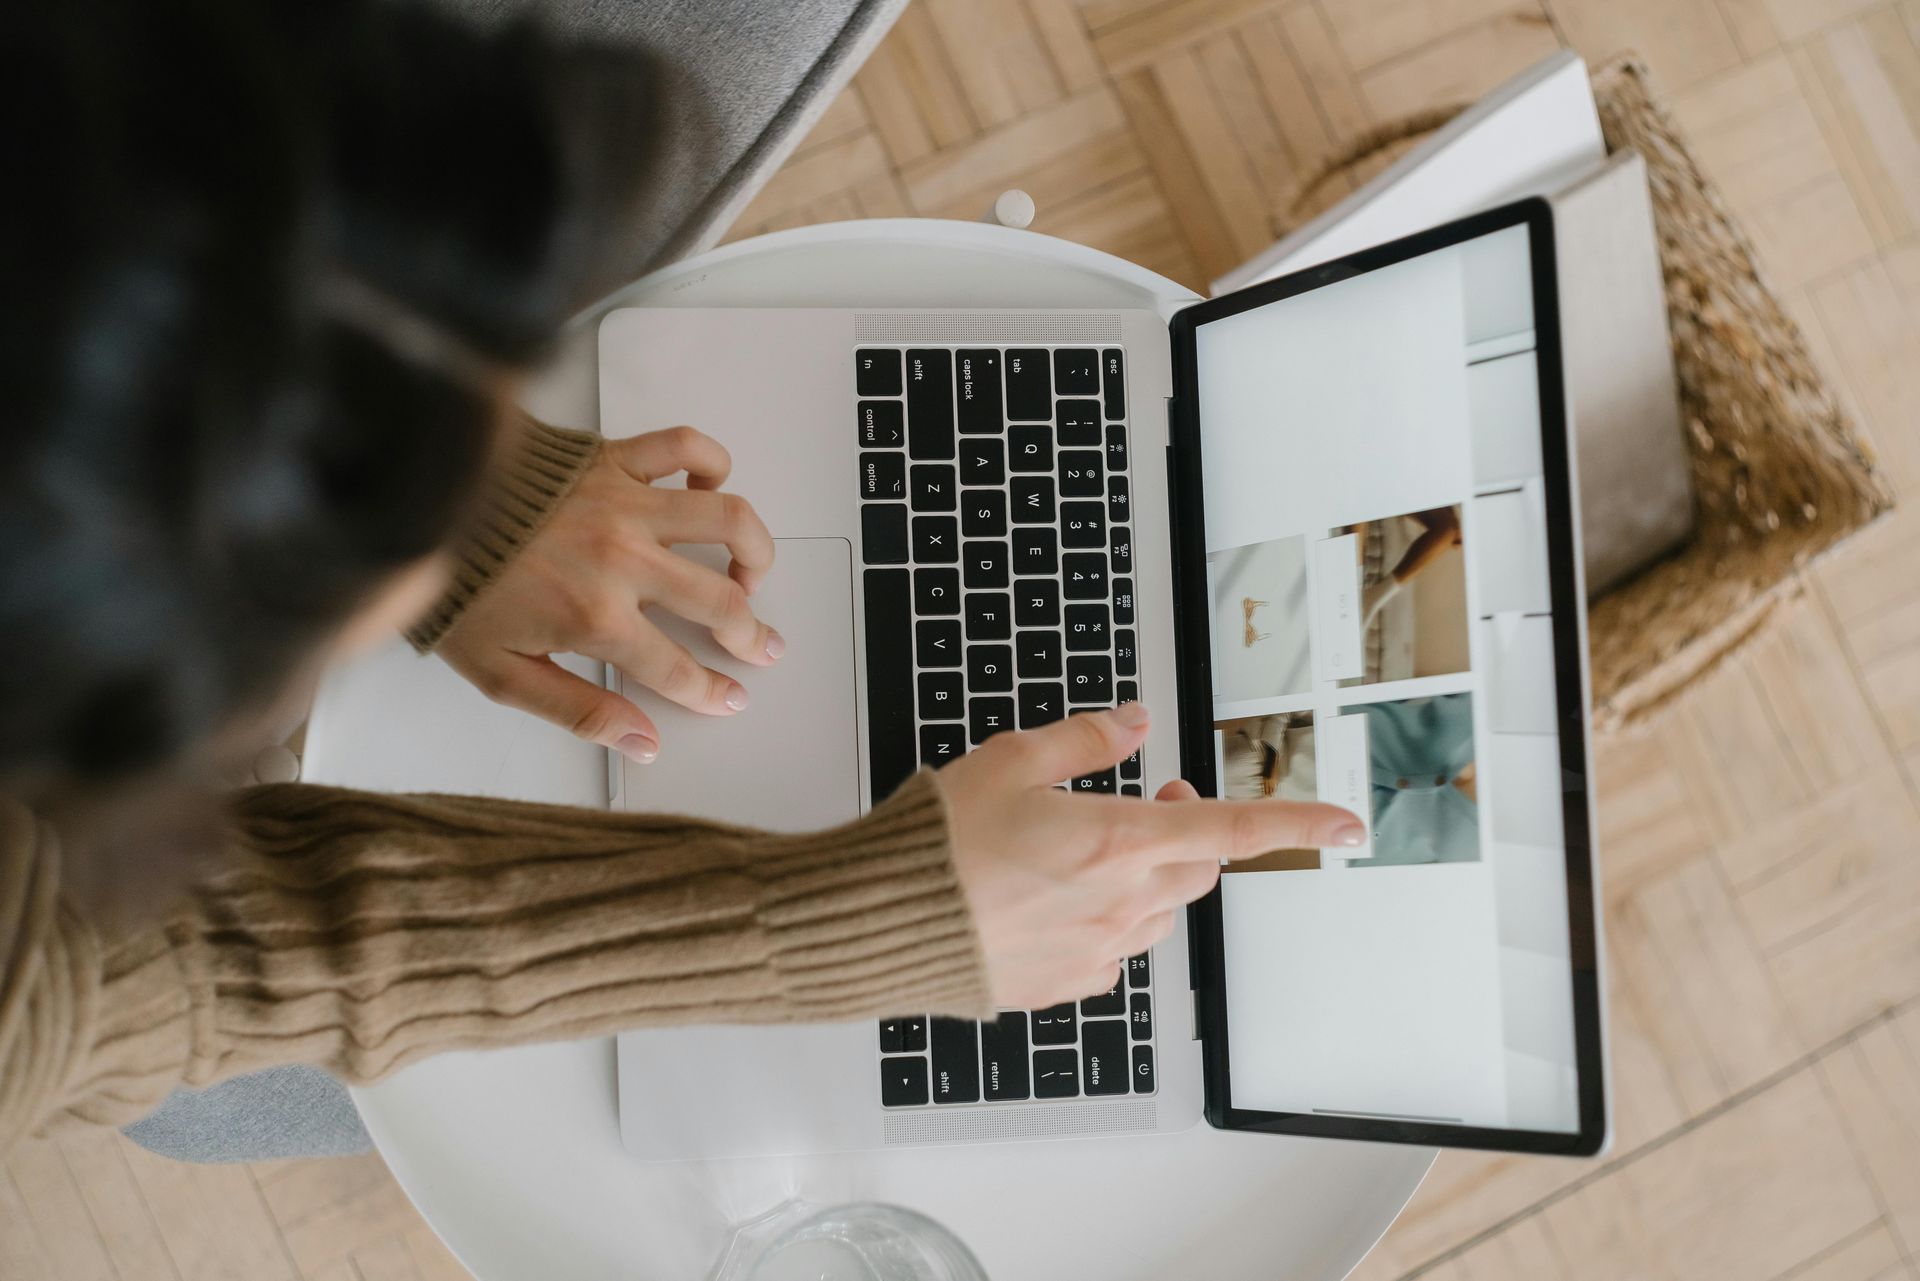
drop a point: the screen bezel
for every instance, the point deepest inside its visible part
(1194, 652)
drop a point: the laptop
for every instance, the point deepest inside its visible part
(1326, 528)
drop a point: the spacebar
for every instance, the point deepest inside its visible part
(890, 737)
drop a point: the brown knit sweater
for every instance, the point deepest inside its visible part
(360, 932)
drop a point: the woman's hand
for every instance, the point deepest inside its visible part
(1064, 885)
(579, 586)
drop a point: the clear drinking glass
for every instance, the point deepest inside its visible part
(867, 1241)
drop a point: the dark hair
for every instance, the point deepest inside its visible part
(265, 268)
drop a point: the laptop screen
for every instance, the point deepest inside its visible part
(1383, 638)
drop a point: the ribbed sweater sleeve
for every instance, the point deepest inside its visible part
(540, 467)
(362, 932)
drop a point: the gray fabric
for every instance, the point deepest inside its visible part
(281, 1112)
(745, 79)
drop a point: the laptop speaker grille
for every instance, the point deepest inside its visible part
(995, 328)
(1029, 1121)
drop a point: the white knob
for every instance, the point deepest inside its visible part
(1014, 209)
(276, 764)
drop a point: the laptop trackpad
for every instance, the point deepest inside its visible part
(790, 761)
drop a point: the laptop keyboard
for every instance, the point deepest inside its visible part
(998, 581)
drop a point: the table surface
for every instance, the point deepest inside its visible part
(514, 1156)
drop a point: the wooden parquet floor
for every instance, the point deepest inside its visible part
(1761, 846)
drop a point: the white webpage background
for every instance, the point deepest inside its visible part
(1391, 991)
(1341, 404)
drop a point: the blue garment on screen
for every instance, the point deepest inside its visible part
(1416, 750)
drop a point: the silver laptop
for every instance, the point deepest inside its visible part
(1325, 528)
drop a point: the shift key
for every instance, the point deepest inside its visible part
(956, 1061)
(930, 403)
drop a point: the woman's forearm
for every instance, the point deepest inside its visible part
(361, 932)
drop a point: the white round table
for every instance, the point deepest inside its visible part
(514, 1156)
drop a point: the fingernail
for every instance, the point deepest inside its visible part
(1132, 715)
(1350, 833)
(776, 644)
(737, 699)
(638, 748)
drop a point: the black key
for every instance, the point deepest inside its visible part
(983, 462)
(989, 669)
(1032, 500)
(956, 1061)
(876, 371)
(987, 717)
(1089, 679)
(984, 564)
(1126, 661)
(1076, 424)
(890, 758)
(1131, 789)
(1110, 1002)
(1123, 601)
(883, 424)
(1056, 1074)
(883, 476)
(936, 640)
(936, 592)
(1117, 500)
(979, 391)
(942, 698)
(936, 540)
(1041, 703)
(883, 533)
(1120, 548)
(903, 1082)
(1029, 386)
(1036, 550)
(933, 489)
(1036, 603)
(930, 403)
(1113, 382)
(1076, 372)
(983, 513)
(1139, 969)
(989, 616)
(1143, 1069)
(1037, 654)
(943, 743)
(907, 1035)
(1029, 449)
(1116, 448)
(1055, 1025)
(1140, 1016)
(1080, 473)
(1104, 781)
(1084, 575)
(1103, 1059)
(1130, 766)
(1003, 1058)
(1125, 692)
(1081, 524)
(1087, 629)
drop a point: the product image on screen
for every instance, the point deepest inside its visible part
(1382, 638)
(1412, 594)
(1259, 597)
(1264, 757)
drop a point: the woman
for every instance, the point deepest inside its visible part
(273, 271)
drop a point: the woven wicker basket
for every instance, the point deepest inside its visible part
(1779, 474)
